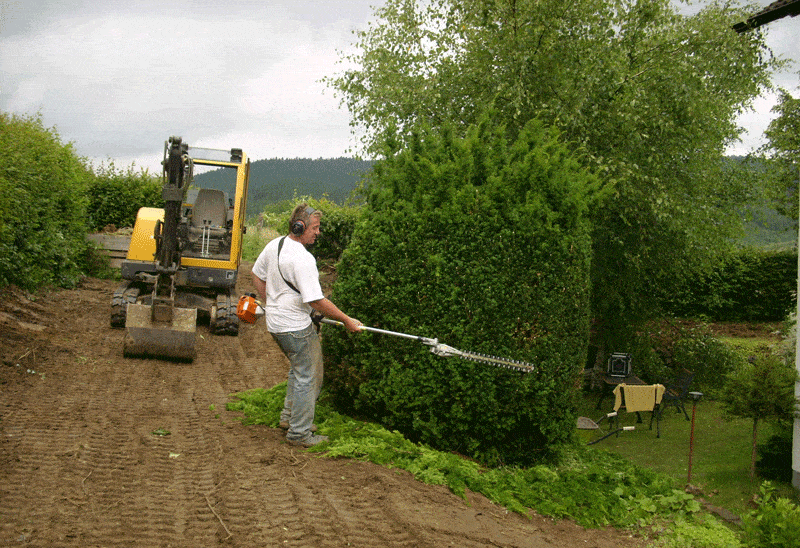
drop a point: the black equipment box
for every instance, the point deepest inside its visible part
(619, 365)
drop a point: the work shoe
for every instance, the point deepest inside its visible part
(310, 441)
(284, 425)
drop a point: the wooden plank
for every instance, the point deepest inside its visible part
(115, 246)
(112, 242)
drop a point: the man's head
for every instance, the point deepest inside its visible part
(304, 224)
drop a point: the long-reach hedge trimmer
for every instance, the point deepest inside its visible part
(249, 308)
(448, 351)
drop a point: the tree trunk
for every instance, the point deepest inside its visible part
(753, 453)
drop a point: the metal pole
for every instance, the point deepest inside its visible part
(381, 331)
(695, 398)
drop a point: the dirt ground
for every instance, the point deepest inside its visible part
(82, 462)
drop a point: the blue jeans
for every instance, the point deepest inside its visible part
(304, 351)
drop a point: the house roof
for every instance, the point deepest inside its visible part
(776, 10)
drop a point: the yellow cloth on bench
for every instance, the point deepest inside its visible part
(638, 397)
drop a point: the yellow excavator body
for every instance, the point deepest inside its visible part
(183, 259)
(143, 244)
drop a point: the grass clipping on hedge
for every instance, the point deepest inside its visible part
(594, 488)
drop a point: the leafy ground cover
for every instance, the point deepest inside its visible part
(595, 488)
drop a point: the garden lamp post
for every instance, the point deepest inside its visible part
(695, 398)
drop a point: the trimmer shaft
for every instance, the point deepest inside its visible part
(448, 351)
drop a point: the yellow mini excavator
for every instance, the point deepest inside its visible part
(183, 260)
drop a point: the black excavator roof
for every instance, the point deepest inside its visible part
(773, 12)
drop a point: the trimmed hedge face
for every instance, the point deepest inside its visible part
(486, 248)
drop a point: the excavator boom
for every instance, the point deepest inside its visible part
(160, 329)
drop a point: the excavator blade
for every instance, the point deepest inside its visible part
(145, 337)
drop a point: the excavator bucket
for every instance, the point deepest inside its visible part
(146, 337)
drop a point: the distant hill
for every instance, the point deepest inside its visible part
(768, 229)
(278, 179)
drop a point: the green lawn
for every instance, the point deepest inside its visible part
(721, 455)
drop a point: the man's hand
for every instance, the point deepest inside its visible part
(352, 325)
(328, 309)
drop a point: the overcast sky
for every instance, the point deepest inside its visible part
(118, 78)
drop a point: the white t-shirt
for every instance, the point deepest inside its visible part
(286, 309)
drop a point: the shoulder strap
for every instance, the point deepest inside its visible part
(280, 246)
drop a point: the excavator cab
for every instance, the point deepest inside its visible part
(183, 260)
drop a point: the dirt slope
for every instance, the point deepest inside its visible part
(81, 463)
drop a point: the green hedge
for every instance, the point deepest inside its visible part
(115, 196)
(753, 285)
(336, 226)
(486, 247)
(42, 205)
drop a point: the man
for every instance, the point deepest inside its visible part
(286, 278)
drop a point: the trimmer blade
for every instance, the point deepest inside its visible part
(498, 361)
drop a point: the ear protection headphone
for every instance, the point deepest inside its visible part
(299, 226)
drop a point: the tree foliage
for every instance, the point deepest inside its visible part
(42, 205)
(483, 244)
(336, 225)
(783, 147)
(651, 95)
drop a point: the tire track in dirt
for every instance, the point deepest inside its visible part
(137, 483)
(361, 516)
(124, 484)
(47, 431)
(237, 365)
(42, 443)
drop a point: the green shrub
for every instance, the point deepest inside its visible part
(42, 205)
(97, 264)
(646, 362)
(710, 359)
(695, 348)
(485, 246)
(115, 196)
(337, 225)
(254, 240)
(775, 455)
(774, 524)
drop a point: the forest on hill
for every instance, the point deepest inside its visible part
(278, 179)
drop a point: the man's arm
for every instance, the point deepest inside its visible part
(325, 307)
(261, 287)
